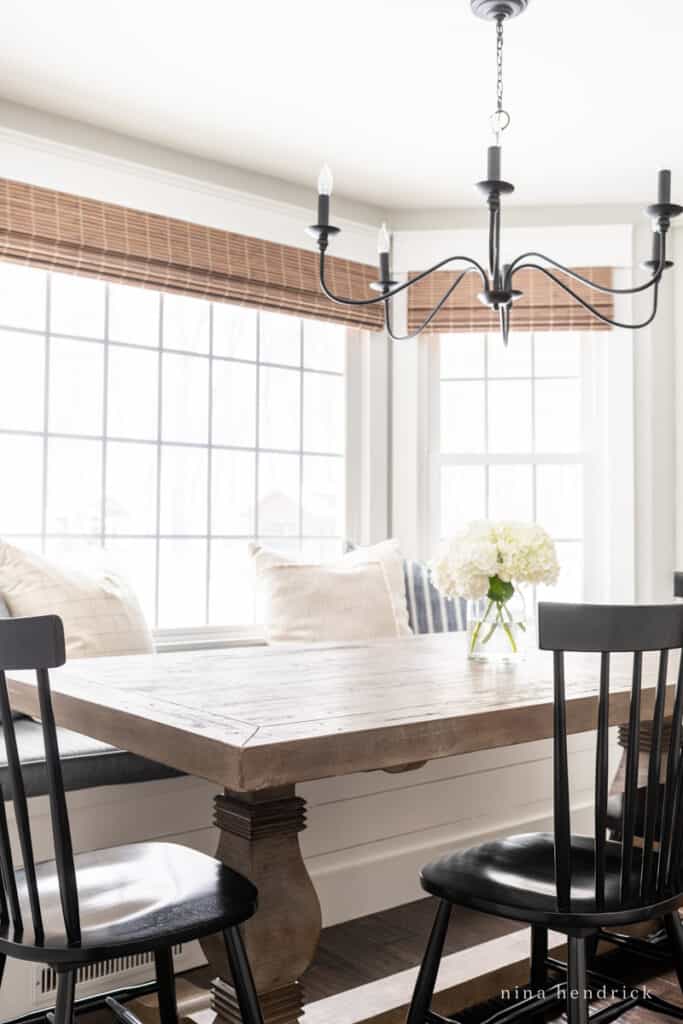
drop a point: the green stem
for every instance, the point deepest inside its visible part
(520, 624)
(501, 609)
(510, 637)
(492, 629)
(477, 628)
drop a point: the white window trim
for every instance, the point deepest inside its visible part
(616, 527)
(587, 458)
(610, 518)
(367, 490)
(357, 485)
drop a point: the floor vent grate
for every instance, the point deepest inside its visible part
(90, 974)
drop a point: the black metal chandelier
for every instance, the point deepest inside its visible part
(498, 291)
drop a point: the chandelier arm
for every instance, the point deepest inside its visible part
(473, 265)
(494, 244)
(586, 305)
(656, 276)
(425, 323)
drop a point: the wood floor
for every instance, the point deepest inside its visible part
(631, 971)
(369, 948)
(372, 947)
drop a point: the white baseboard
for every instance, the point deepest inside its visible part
(366, 880)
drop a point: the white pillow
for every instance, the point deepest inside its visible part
(350, 599)
(389, 553)
(100, 612)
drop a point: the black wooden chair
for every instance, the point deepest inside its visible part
(571, 883)
(657, 946)
(79, 909)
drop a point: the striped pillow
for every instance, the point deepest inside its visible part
(428, 610)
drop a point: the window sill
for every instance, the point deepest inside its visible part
(206, 638)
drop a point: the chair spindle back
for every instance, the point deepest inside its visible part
(652, 871)
(34, 644)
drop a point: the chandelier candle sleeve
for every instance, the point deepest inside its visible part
(383, 249)
(498, 291)
(664, 189)
(493, 171)
(325, 183)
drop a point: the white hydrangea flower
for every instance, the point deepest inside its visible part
(514, 552)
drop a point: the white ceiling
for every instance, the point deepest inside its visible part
(394, 94)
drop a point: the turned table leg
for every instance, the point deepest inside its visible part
(645, 746)
(259, 838)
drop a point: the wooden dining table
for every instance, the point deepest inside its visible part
(259, 720)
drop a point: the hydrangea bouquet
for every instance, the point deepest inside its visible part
(487, 563)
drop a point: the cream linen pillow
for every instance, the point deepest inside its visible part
(100, 612)
(389, 553)
(350, 599)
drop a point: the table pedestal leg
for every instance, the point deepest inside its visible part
(259, 838)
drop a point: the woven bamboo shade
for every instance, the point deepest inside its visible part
(542, 307)
(59, 231)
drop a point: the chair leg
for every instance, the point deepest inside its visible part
(538, 976)
(242, 977)
(577, 981)
(674, 929)
(168, 1008)
(426, 978)
(64, 1005)
(592, 943)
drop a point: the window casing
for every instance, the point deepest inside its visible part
(170, 431)
(512, 434)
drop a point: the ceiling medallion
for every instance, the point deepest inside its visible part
(498, 290)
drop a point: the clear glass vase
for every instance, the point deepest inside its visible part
(498, 630)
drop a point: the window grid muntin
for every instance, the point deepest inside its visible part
(487, 459)
(103, 535)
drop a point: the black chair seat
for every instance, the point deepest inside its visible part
(132, 898)
(515, 878)
(86, 762)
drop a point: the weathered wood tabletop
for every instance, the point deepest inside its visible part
(255, 717)
(258, 720)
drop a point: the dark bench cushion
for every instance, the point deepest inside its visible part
(85, 762)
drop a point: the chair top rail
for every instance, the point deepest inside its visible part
(615, 628)
(32, 643)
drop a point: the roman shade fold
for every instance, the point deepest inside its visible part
(56, 230)
(543, 306)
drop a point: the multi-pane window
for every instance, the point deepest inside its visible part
(170, 431)
(511, 439)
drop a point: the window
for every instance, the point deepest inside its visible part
(169, 431)
(511, 437)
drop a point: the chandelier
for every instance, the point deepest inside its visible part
(498, 290)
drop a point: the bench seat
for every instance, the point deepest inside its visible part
(86, 762)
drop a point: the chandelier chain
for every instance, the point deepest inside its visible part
(499, 64)
(500, 119)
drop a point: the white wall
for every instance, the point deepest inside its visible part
(655, 432)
